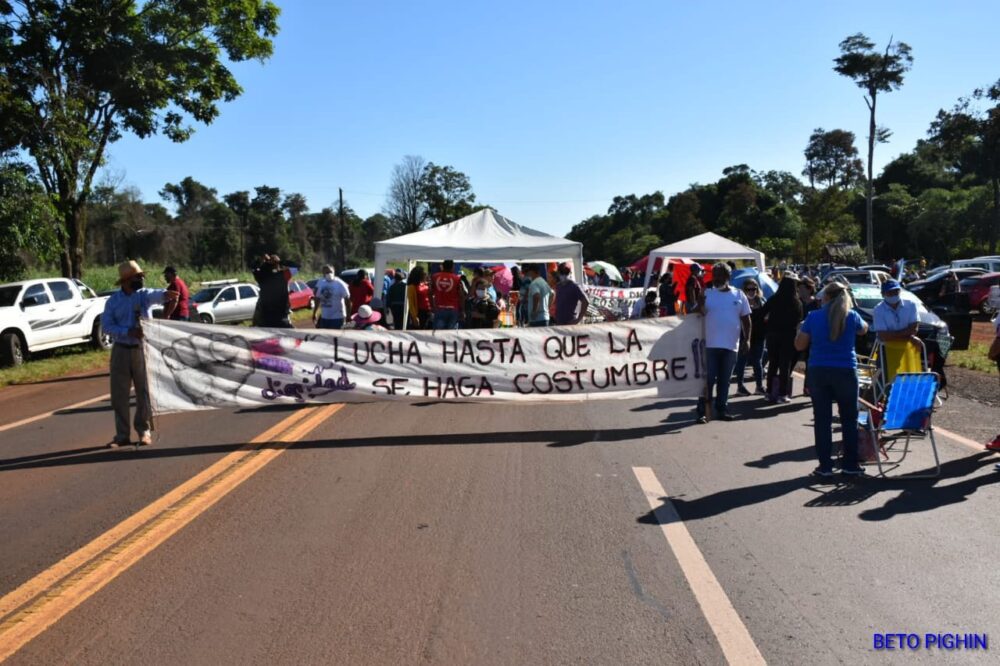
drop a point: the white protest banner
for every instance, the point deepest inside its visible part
(613, 303)
(200, 366)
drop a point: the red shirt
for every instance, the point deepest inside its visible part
(361, 294)
(447, 290)
(423, 297)
(183, 298)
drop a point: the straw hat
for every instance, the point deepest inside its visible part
(128, 270)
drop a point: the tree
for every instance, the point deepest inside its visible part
(75, 76)
(239, 203)
(447, 194)
(404, 204)
(972, 134)
(832, 158)
(873, 72)
(26, 221)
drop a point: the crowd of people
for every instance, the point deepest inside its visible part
(742, 328)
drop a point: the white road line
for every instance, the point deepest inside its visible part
(734, 639)
(39, 417)
(955, 437)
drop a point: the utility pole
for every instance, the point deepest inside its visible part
(341, 259)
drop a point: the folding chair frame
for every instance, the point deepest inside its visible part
(878, 436)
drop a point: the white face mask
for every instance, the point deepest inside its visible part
(481, 293)
(328, 276)
(892, 300)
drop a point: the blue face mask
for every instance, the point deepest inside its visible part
(892, 300)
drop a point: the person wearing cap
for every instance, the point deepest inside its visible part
(176, 309)
(894, 318)
(366, 319)
(693, 289)
(121, 320)
(333, 301)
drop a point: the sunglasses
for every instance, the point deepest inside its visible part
(750, 289)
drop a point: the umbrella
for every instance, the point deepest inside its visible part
(502, 279)
(608, 268)
(767, 285)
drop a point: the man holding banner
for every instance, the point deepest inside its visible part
(571, 302)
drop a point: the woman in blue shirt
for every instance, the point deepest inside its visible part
(829, 334)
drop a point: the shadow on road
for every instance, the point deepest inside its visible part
(804, 454)
(914, 496)
(553, 438)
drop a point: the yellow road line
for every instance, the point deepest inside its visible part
(45, 599)
(735, 640)
(39, 417)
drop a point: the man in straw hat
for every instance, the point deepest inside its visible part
(120, 320)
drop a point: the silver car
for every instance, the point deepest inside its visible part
(223, 301)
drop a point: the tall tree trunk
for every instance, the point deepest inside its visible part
(74, 221)
(995, 227)
(870, 233)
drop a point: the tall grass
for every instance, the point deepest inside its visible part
(105, 278)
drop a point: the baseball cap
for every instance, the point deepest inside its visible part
(890, 285)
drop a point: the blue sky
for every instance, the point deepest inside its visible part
(553, 108)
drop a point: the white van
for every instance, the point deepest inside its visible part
(990, 264)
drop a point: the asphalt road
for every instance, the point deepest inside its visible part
(472, 534)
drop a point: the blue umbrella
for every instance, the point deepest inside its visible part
(767, 285)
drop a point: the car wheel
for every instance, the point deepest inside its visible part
(98, 338)
(205, 318)
(12, 351)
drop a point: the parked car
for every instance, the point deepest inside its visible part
(978, 288)
(859, 276)
(349, 274)
(989, 264)
(43, 314)
(932, 330)
(224, 301)
(875, 267)
(300, 295)
(928, 290)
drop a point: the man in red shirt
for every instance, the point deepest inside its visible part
(361, 290)
(448, 293)
(178, 309)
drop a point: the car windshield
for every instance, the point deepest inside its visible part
(205, 295)
(8, 296)
(858, 278)
(867, 298)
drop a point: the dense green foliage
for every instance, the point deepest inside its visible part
(26, 221)
(75, 75)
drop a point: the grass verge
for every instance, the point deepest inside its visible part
(974, 358)
(55, 364)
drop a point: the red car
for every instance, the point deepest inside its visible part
(979, 292)
(299, 295)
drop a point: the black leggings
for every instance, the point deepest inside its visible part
(781, 357)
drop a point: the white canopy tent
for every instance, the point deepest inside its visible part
(703, 246)
(482, 237)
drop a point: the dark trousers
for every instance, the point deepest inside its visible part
(781, 356)
(719, 367)
(826, 386)
(397, 316)
(753, 357)
(128, 369)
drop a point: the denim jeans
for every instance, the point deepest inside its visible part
(755, 358)
(445, 318)
(719, 365)
(826, 386)
(330, 323)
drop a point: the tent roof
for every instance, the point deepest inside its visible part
(484, 236)
(707, 246)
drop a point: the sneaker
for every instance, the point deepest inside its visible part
(146, 439)
(759, 390)
(702, 419)
(994, 445)
(822, 473)
(857, 471)
(742, 390)
(115, 443)
(782, 399)
(725, 416)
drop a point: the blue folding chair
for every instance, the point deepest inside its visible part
(908, 415)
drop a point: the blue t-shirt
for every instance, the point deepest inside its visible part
(826, 353)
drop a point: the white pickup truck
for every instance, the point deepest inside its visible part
(52, 312)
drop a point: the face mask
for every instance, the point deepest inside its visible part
(136, 283)
(481, 293)
(892, 300)
(328, 276)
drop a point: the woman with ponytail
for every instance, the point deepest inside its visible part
(829, 334)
